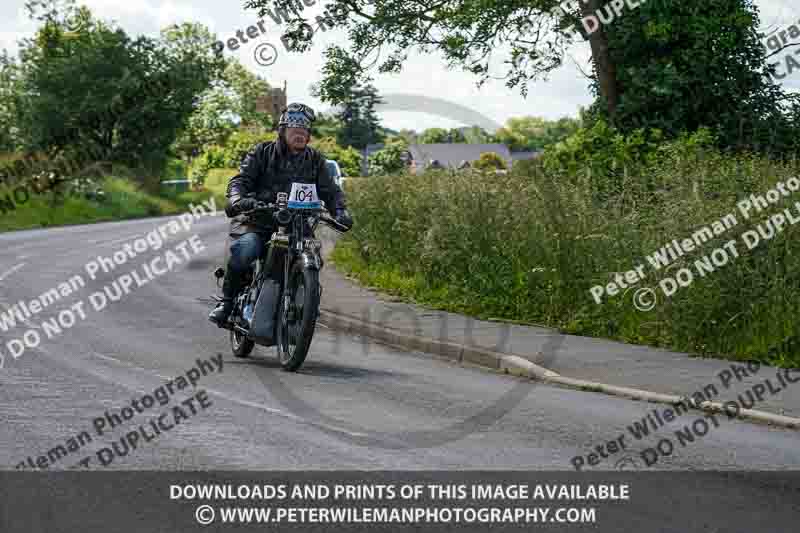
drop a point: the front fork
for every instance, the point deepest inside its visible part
(287, 297)
(309, 259)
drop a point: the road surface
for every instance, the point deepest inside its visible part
(354, 404)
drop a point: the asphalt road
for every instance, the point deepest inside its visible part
(353, 405)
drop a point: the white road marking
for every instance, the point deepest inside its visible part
(101, 356)
(284, 414)
(234, 399)
(115, 241)
(11, 270)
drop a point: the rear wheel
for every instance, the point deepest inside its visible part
(297, 316)
(241, 346)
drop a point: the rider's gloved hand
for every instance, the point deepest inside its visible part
(240, 205)
(344, 218)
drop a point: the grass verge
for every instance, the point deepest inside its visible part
(121, 201)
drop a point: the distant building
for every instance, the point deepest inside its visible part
(449, 155)
(453, 155)
(273, 102)
(519, 156)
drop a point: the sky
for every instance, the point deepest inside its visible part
(424, 75)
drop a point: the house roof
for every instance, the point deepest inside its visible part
(453, 154)
(516, 156)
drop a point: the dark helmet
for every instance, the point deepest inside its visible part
(297, 116)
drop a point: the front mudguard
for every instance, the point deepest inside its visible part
(265, 315)
(311, 260)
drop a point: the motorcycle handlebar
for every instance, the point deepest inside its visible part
(335, 225)
(325, 218)
(259, 209)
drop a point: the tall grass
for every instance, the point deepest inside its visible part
(529, 246)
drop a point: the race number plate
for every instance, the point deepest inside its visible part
(304, 196)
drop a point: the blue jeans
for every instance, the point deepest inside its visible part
(244, 250)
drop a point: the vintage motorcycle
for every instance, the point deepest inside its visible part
(283, 312)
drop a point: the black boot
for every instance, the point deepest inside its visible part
(230, 287)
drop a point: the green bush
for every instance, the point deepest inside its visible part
(349, 158)
(211, 157)
(603, 155)
(490, 161)
(240, 143)
(527, 167)
(388, 160)
(230, 155)
(175, 170)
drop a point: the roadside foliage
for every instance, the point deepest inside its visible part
(528, 245)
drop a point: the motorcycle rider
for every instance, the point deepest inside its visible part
(269, 168)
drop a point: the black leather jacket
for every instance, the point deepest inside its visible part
(269, 168)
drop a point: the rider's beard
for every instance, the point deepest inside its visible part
(297, 141)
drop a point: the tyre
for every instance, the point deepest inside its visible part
(241, 346)
(297, 320)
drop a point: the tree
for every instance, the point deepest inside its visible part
(360, 123)
(533, 34)
(477, 135)
(231, 100)
(711, 72)
(409, 136)
(605, 69)
(100, 95)
(246, 88)
(559, 130)
(535, 133)
(433, 136)
(647, 62)
(440, 135)
(326, 125)
(455, 136)
(9, 88)
(210, 124)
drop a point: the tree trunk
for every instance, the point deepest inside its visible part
(605, 69)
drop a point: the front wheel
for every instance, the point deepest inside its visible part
(297, 316)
